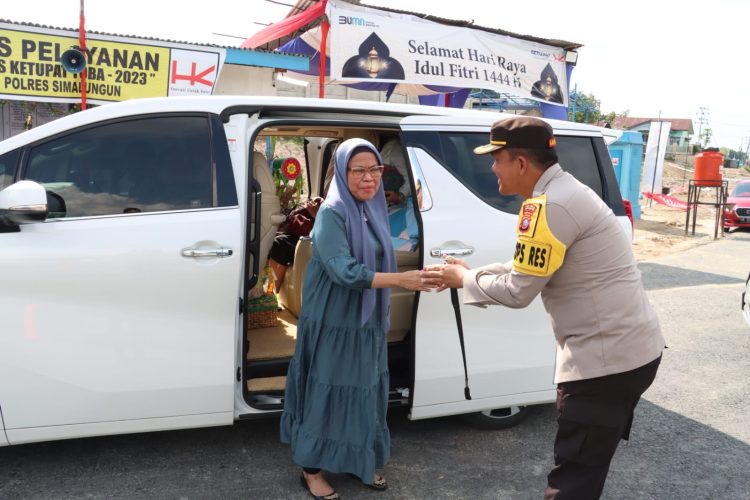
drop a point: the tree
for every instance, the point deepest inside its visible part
(705, 136)
(733, 154)
(588, 109)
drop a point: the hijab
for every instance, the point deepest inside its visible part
(357, 215)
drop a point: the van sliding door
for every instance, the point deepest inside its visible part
(510, 353)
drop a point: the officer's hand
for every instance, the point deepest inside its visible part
(449, 259)
(444, 276)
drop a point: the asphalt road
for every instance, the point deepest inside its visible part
(691, 436)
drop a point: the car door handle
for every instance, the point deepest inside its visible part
(206, 252)
(453, 251)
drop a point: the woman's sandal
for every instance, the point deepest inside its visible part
(379, 484)
(330, 496)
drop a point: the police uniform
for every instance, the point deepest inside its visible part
(571, 249)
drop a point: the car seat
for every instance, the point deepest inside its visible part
(270, 212)
(290, 294)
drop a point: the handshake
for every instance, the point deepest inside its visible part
(438, 277)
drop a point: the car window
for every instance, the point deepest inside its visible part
(7, 168)
(455, 151)
(576, 155)
(742, 189)
(141, 165)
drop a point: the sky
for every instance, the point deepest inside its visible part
(667, 58)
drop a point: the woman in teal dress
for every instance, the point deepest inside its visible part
(337, 386)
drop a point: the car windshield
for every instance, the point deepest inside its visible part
(741, 189)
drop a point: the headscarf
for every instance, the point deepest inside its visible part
(354, 212)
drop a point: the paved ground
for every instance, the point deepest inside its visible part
(691, 437)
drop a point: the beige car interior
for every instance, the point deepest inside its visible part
(277, 343)
(271, 215)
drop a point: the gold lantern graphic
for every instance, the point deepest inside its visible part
(373, 61)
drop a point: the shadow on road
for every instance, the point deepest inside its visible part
(660, 276)
(673, 456)
(669, 456)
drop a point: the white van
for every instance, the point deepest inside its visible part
(132, 233)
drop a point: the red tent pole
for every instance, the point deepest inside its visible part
(82, 44)
(323, 40)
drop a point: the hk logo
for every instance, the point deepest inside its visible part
(193, 77)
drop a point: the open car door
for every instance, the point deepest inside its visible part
(510, 353)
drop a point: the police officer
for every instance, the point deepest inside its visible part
(571, 249)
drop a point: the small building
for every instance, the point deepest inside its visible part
(679, 134)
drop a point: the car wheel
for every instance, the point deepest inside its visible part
(499, 418)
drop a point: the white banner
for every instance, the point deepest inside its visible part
(653, 164)
(194, 72)
(369, 45)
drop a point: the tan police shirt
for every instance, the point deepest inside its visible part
(602, 319)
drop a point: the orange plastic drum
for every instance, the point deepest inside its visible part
(708, 168)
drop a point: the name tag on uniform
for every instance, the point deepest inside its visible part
(532, 257)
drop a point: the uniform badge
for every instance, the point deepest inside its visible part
(529, 214)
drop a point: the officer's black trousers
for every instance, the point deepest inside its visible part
(593, 415)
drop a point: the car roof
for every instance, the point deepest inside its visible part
(218, 104)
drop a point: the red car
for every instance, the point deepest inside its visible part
(737, 211)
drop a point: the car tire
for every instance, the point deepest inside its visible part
(499, 418)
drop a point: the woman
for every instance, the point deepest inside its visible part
(337, 385)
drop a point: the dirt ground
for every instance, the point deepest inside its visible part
(661, 229)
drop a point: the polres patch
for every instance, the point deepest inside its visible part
(528, 218)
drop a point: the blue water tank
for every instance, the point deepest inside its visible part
(627, 155)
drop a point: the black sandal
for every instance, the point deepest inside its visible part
(330, 496)
(380, 484)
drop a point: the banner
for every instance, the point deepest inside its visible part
(371, 45)
(653, 164)
(117, 68)
(667, 200)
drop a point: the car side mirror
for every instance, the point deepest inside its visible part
(23, 202)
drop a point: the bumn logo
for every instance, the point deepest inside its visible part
(357, 21)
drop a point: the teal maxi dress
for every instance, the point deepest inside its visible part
(336, 394)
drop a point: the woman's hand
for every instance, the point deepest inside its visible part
(412, 280)
(446, 275)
